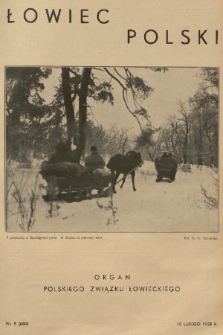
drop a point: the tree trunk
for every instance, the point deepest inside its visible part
(69, 110)
(200, 145)
(83, 110)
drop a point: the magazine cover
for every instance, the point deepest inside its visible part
(111, 167)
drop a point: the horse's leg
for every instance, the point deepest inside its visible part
(114, 182)
(133, 180)
(123, 181)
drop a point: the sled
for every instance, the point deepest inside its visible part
(166, 167)
(74, 187)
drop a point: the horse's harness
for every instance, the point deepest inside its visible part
(117, 182)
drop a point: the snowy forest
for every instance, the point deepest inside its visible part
(110, 108)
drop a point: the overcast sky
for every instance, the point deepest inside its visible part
(170, 87)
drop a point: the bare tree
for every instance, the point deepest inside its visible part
(118, 140)
(150, 140)
(180, 127)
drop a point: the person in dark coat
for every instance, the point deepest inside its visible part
(94, 160)
(62, 154)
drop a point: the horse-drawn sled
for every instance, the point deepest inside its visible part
(73, 181)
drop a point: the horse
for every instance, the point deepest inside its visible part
(166, 167)
(125, 164)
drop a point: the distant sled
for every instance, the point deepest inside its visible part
(166, 167)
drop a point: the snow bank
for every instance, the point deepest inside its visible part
(155, 207)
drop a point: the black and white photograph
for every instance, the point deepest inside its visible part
(111, 149)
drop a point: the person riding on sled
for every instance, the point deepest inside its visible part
(94, 160)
